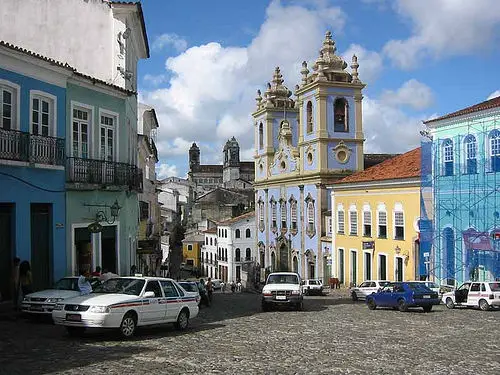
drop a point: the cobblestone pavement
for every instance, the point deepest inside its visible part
(332, 336)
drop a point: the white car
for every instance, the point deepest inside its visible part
(125, 303)
(484, 295)
(366, 288)
(312, 286)
(282, 288)
(43, 302)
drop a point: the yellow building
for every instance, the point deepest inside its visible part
(375, 216)
(191, 251)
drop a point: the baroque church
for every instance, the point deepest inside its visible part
(303, 145)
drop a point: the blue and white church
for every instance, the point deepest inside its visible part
(303, 145)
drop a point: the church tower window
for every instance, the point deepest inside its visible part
(261, 136)
(341, 120)
(309, 117)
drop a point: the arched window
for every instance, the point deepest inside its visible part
(225, 255)
(283, 214)
(310, 216)
(495, 150)
(211, 241)
(353, 221)
(340, 115)
(449, 255)
(237, 255)
(225, 233)
(237, 233)
(261, 136)
(248, 234)
(248, 254)
(448, 157)
(206, 240)
(293, 214)
(309, 110)
(274, 214)
(470, 154)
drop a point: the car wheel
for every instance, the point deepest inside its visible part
(75, 331)
(483, 305)
(371, 304)
(403, 307)
(449, 303)
(128, 325)
(427, 308)
(182, 320)
(354, 296)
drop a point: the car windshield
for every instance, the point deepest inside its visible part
(418, 287)
(313, 282)
(190, 287)
(283, 279)
(67, 284)
(122, 286)
(495, 287)
(431, 285)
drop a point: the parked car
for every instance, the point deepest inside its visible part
(431, 285)
(282, 288)
(312, 286)
(43, 302)
(125, 303)
(484, 295)
(195, 287)
(366, 288)
(402, 295)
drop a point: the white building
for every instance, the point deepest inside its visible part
(231, 247)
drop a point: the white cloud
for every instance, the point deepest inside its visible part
(493, 95)
(370, 62)
(164, 170)
(169, 39)
(444, 28)
(412, 93)
(211, 88)
(155, 80)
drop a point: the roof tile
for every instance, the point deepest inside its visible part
(236, 219)
(487, 104)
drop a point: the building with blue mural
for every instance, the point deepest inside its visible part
(460, 225)
(301, 146)
(32, 158)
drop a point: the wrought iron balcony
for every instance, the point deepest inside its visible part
(103, 172)
(31, 148)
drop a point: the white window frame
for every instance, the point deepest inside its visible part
(329, 225)
(493, 147)
(52, 100)
(311, 214)
(398, 209)
(403, 266)
(339, 262)
(379, 276)
(283, 213)
(382, 208)
(274, 215)
(365, 276)
(351, 268)
(90, 109)
(353, 210)
(470, 153)
(367, 209)
(340, 209)
(293, 214)
(116, 120)
(261, 212)
(448, 156)
(15, 90)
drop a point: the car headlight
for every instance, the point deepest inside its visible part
(53, 300)
(58, 306)
(99, 309)
(26, 299)
(295, 292)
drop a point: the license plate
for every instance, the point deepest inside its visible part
(427, 296)
(74, 317)
(281, 297)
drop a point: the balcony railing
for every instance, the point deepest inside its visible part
(32, 148)
(103, 172)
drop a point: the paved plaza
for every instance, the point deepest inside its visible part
(333, 335)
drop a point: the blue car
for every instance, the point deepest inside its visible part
(402, 295)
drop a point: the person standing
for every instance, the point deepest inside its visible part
(84, 283)
(25, 278)
(210, 289)
(14, 279)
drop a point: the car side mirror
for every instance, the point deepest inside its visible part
(149, 295)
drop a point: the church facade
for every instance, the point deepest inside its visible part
(302, 145)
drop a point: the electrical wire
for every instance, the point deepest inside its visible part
(32, 185)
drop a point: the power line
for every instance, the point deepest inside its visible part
(32, 185)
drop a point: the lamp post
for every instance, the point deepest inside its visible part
(100, 216)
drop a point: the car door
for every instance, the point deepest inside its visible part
(362, 289)
(152, 309)
(173, 298)
(384, 296)
(473, 296)
(397, 293)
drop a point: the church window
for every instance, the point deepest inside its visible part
(237, 233)
(261, 215)
(248, 233)
(309, 117)
(261, 136)
(293, 214)
(340, 114)
(283, 215)
(273, 214)
(310, 216)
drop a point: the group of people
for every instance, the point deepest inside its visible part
(21, 281)
(235, 287)
(86, 277)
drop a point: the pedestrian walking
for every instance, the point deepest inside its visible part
(222, 287)
(233, 286)
(210, 289)
(25, 278)
(238, 286)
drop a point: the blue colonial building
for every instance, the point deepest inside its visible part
(301, 146)
(460, 226)
(32, 157)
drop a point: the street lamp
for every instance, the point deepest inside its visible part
(100, 216)
(397, 249)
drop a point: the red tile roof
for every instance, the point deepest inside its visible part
(238, 218)
(402, 166)
(210, 231)
(487, 104)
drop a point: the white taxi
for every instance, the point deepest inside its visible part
(125, 303)
(366, 288)
(484, 295)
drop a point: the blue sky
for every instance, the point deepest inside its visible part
(419, 59)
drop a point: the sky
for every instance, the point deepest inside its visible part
(419, 59)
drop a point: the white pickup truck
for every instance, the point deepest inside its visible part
(484, 295)
(282, 288)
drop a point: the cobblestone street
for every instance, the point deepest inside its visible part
(331, 336)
